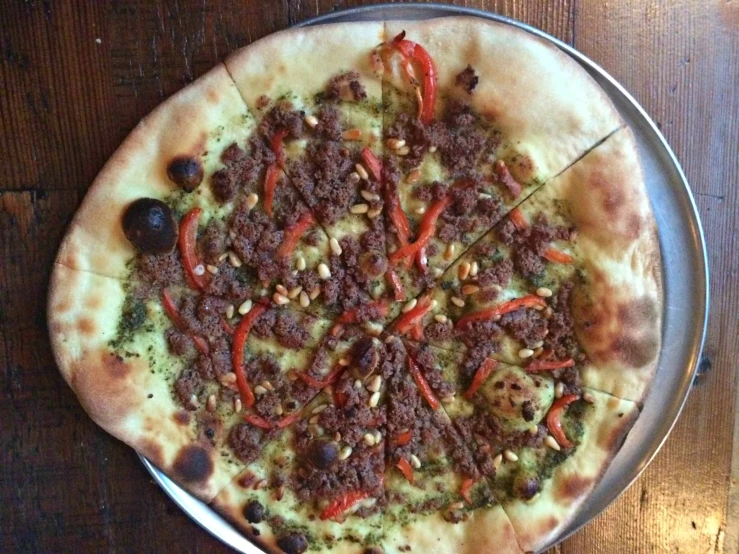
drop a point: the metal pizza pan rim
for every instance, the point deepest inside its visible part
(685, 280)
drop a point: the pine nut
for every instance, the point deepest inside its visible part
(359, 209)
(403, 151)
(311, 121)
(470, 289)
(281, 289)
(395, 143)
(432, 148)
(304, 299)
(335, 246)
(374, 399)
(414, 176)
(300, 265)
(525, 353)
(369, 439)
(237, 405)
(223, 256)
(352, 134)
(267, 385)
(343, 362)
(252, 200)
(441, 318)
(323, 271)
(230, 311)
(361, 171)
(234, 260)
(375, 384)
(259, 389)
(420, 210)
(464, 270)
(448, 399)
(316, 292)
(228, 378)
(449, 252)
(345, 453)
(457, 301)
(318, 409)
(497, 461)
(372, 213)
(245, 307)
(409, 306)
(559, 389)
(552, 443)
(474, 268)
(279, 299)
(211, 404)
(544, 292)
(415, 462)
(510, 455)
(369, 196)
(211, 269)
(588, 397)
(294, 292)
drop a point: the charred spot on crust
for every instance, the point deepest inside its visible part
(186, 172)
(467, 79)
(193, 464)
(292, 543)
(150, 226)
(254, 512)
(572, 487)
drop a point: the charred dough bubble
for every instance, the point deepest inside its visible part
(150, 226)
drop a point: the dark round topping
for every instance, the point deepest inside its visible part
(186, 171)
(150, 226)
(374, 550)
(322, 453)
(366, 357)
(373, 263)
(293, 543)
(254, 512)
(525, 487)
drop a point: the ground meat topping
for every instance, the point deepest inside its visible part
(561, 338)
(246, 441)
(525, 325)
(160, 269)
(345, 86)
(467, 79)
(187, 388)
(499, 273)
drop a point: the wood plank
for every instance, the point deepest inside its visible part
(681, 63)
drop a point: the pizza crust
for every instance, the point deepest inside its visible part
(618, 312)
(547, 107)
(123, 394)
(201, 120)
(542, 520)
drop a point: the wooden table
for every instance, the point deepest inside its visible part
(77, 76)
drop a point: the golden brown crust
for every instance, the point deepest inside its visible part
(542, 519)
(123, 394)
(200, 120)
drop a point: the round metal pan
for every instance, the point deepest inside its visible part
(685, 284)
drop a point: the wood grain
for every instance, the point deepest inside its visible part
(77, 76)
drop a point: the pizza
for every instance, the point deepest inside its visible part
(371, 287)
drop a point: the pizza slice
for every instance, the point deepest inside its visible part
(323, 122)
(470, 132)
(319, 485)
(568, 279)
(542, 440)
(437, 498)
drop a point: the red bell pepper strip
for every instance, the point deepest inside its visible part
(546, 365)
(237, 354)
(554, 423)
(397, 216)
(373, 163)
(416, 332)
(276, 145)
(270, 184)
(294, 232)
(339, 398)
(173, 314)
(426, 231)
(406, 321)
(481, 375)
(518, 219)
(288, 419)
(413, 51)
(466, 488)
(422, 262)
(341, 504)
(187, 242)
(528, 301)
(423, 385)
(330, 379)
(226, 326)
(406, 468)
(505, 177)
(258, 421)
(403, 438)
(557, 256)
(396, 284)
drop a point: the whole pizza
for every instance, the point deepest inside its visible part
(371, 287)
